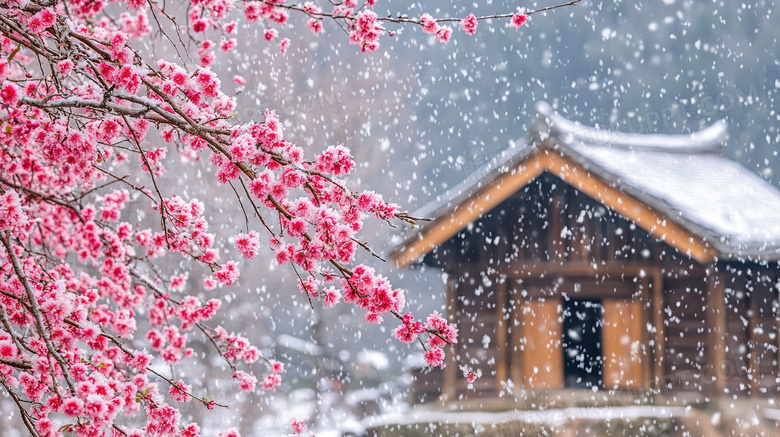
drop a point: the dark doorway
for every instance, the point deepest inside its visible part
(582, 361)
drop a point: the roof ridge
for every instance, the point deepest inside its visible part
(711, 139)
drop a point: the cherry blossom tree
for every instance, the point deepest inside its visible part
(82, 107)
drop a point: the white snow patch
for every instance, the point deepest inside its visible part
(552, 417)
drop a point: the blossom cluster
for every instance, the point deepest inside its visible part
(78, 99)
(72, 262)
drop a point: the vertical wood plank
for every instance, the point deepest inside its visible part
(501, 329)
(647, 355)
(543, 357)
(517, 340)
(557, 244)
(659, 340)
(753, 346)
(622, 343)
(450, 371)
(776, 292)
(716, 305)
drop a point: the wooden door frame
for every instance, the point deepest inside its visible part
(647, 289)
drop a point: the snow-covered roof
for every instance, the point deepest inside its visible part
(684, 178)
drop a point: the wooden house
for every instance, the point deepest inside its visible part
(589, 259)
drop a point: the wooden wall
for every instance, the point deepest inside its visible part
(686, 332)
(751, 365)
(475, 310)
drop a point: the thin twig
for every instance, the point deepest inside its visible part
(36, 310)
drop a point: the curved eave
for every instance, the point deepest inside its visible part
(711, 139)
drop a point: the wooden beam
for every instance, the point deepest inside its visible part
(526, 270)
(523, 270)
(450, 223)
(453, 221)
(753, 347)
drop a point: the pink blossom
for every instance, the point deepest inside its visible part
(229, 433)
(140, 361)
(309, 285)
(335, 160)
(191, 430)
(469, 24)
(12, 215)
(366, 31)
(65, 66)
(284, 45)
(209, 283)
(279, 16)
(9, 94)
(179, 391)
(246, 382)
(332, 297)
(297, 425)
(200, 25)
(178, 282)
(518, 20)
(136, 5)
(41, 21)
(444, 34)
(228, 274)
(248, 244)
(271, 382)
(434, 357)
(45, 426)
(283, 254)
(469, 374)
(314, 25)
(228, 44)
(372, 317)
(429, 25)
(7, 349)
(73, 407)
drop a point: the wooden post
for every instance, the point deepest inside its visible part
(716, 315)
(644, 305)
(501, 329)
(777, 321)
(517, 337)
(450, 371)
(753, 346)
(658, 324)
